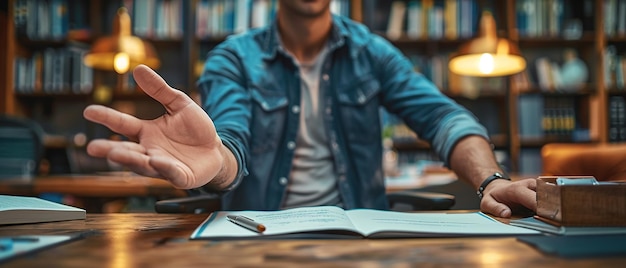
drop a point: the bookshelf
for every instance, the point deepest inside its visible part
(526, 113)
(502, 104)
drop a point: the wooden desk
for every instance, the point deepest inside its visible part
(95, 193)
(109, 185)
(159, 240)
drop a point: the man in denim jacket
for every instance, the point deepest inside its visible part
(290, 117)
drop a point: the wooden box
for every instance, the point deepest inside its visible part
(581, 205)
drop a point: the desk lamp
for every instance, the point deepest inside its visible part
(121, 51)
(487, 55)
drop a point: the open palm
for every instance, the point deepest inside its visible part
(181, 146)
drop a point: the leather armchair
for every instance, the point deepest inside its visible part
(606, 162)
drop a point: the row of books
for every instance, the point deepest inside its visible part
(548, 77)
(157, 19)
(617, 119)
(53, 71)
(432, 19)
(614, 17)
(41, 19)
(568, 18)
(540, 116)
(545, 73)
(224, 17)
(539, 18)
(614, 69)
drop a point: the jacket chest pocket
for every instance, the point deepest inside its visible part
(268, 120)
(359, 110)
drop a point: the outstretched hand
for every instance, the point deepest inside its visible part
(501, 198)
(181, 146)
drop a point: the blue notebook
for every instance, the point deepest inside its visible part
(537, 224)
(15, 246)
(579, 246)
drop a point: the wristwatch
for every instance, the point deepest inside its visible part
(488, 180)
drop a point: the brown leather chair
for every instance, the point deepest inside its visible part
(606, 162)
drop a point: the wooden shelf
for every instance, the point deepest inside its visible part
(585, 91)
(587, 39)
(538, 142)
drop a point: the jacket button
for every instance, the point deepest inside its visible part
(325, 77)
(295, 109)
(291, 145)
(282, 181)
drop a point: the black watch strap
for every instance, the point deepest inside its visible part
(488, 180)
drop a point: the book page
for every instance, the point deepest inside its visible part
(297, 220)
(377, 223)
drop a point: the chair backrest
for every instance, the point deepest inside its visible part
(606, 162)
(21, 146)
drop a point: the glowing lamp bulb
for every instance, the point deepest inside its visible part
(121, 63)
(485, 65)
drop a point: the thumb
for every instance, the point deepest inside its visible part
(156, 87)
(493, 207)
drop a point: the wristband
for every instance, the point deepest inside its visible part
(488, 180)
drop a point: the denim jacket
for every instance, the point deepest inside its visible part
(250, 87)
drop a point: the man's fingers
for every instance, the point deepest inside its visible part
(171, 171)
(156, 87)
(493, 207)
(527, 194)
(136, 161)
(101, 147)
(118, 122)
(502, 200)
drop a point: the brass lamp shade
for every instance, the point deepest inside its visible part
(487, 55)
(121, 51)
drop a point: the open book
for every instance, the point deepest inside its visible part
(334, 222)
(536, 223)
(22, 209)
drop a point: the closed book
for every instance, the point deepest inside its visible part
(23, 209)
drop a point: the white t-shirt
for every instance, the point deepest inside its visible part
(313, 180)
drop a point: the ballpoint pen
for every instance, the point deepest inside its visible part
(246, 223)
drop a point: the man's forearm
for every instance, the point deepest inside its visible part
(472, 159)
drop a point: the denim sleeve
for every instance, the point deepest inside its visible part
(226, 101)
(432, 115)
